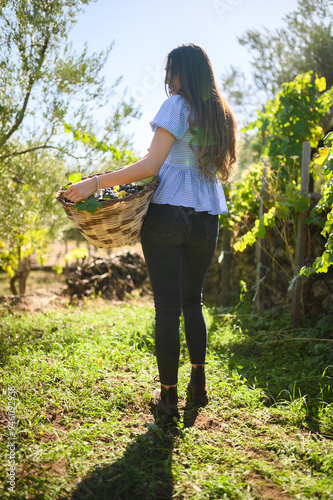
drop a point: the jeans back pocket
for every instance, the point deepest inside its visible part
(160, 220)
(211, 223)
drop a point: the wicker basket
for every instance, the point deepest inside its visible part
(117, 222)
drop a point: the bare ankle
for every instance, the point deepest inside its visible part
(168, 386)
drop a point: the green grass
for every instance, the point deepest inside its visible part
(83, 377)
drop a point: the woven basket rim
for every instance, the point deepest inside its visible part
(107, 203)
(117, 222)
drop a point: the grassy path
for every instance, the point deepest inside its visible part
(82, 378)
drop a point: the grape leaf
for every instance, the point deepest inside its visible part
(72, 179)
(321, 83)
(75, 178)
(321, 156)
(328, 137)
(91, 204)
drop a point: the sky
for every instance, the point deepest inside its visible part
(144, 31)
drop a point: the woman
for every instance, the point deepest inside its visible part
(194, 145)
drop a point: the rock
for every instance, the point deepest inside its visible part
(319, 290)
(280, 253)
(328, 302)
(318, 245)
(314, 199)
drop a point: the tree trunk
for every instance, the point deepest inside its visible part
(21, 274)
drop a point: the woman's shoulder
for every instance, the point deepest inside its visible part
(173, 116)
(176, 102)
(176, 99)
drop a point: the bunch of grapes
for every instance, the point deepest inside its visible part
(116, 192)
(108, 194)
(113, 193)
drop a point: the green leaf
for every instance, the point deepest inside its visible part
(85, 138)
(91, 204)
(77, 135)
(75, 178)
(90, 139)
(93, 141)
(260, 231)
(328, 137)
(321, 83)
(269, 217)
(306, 271)
(247, 239)
(77, 253)
(322, 155)
(101, 146)
(68, 128)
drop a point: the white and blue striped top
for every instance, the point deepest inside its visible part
(180, 183)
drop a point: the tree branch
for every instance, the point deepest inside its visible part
(32, 80)
(44, 146)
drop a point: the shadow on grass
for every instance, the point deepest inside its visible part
(287, 363)
(190, 415)
(143, 472)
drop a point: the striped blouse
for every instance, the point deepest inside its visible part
(180, 181)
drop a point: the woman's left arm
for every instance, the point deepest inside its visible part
(150, 165)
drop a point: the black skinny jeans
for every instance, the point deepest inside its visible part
(178, 244)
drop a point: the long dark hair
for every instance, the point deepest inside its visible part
(212, 122)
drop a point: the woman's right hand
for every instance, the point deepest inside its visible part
(81, 190)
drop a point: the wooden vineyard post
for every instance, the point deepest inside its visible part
(260, 242)
(301, 233)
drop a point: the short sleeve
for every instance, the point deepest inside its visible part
(172, 116)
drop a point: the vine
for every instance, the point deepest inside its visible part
(325, 159)
(90, 140)
(289, 120)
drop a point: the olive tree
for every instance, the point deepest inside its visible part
(45, 84)
(303, 43)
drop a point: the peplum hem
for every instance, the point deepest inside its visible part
(203, 195)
